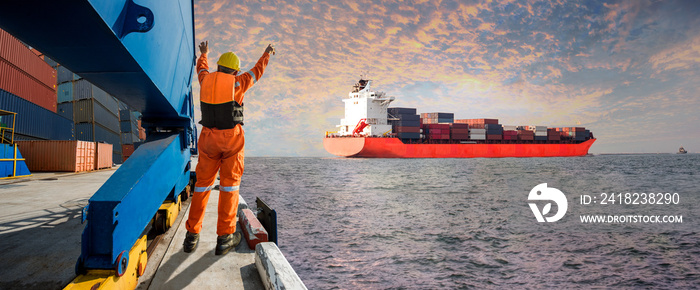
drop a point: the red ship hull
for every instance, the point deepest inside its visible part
(367, 147)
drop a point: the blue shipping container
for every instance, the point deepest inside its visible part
(128, 126)
(397, 110)
(65, 92)
(117, 158)
(65, 110)
(34, 121)
(129, 138)
(64, 75)
(408, 117)
(86, 90)
(88, 111)
(405, 123)
(50, 61)
(408, 135)
(84, 132)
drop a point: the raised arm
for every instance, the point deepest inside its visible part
(249, 78)
(202, 62)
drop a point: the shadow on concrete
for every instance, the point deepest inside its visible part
(46, 218)
(250, 276)
(40, 252)
(185, 278)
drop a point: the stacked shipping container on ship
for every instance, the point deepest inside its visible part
(477, 127)
(574, 133)
(524, 134)
(94, 112)
(540, 132)
(28, 88)
(510, 133)
(436, 126)
(444, 137)
(405, 123)
(437, 118)
(459, 131)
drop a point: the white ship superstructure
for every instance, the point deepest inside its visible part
(365, 106)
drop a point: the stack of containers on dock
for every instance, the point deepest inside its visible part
(405, 123)
(129, 123)
(28, 88)
(94, 112)
(436, 131)
(494, 131)
(437, 118)
(23, 73)
(540, 132)
(459, 131)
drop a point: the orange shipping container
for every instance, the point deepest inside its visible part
(103, 157)
(71, 156)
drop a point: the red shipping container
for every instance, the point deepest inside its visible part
(397, 129)
(438, 126)
(460, 136)
(20, 56)
(526, 137)
(510, 137)
(459, 126)
(494, 137)
(460, 131)
(21, 84)
(127, 150)
(103, 155)
(71, 156)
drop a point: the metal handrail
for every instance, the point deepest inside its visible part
(4, 129)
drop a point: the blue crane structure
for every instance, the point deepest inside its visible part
(144, 55)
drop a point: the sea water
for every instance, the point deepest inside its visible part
(349, 223)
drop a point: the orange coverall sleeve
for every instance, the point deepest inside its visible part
(202, 67)
(247, 79)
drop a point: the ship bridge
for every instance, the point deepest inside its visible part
(365, 110)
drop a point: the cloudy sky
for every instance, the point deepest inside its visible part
(627, 70)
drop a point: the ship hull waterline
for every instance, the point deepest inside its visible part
(369, 147)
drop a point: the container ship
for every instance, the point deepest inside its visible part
(371, 129)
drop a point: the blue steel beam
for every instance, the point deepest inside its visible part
(143, 53)
(124, 205)
(151, 70)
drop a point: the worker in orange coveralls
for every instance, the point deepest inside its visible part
(221, 144)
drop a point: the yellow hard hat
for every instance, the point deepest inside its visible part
(229, 60)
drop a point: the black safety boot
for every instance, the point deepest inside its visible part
(190, 242)
(227, 242)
